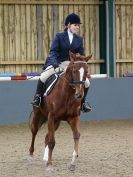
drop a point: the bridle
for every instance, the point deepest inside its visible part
(75, 82)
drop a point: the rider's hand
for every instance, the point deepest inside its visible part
(55, 65)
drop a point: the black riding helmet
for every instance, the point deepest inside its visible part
(72, 19)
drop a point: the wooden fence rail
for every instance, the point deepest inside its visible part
(51, 2)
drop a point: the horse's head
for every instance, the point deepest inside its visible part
(77, 73)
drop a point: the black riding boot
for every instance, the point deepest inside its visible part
(39, 92)
(85, 107)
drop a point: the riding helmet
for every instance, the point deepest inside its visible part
(72, 19)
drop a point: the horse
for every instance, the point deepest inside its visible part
(62, 104)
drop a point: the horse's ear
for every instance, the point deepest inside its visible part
(72, 56)
(88, 57)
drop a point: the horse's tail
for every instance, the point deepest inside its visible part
(42, 120)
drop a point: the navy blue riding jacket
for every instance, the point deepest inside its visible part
(60, 48)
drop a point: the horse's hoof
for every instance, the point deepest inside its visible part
(71, 167)
(30, 158)
(49, 168)
(45, 163)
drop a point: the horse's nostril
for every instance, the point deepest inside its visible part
(78, 95)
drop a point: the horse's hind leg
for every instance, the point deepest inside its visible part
(34, 126)
(74, 124)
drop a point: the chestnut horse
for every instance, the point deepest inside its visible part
(63, 103)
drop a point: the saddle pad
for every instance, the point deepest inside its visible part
(50, 83)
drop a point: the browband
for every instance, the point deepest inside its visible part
(80, 62)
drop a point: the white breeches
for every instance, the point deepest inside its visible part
(62, 67)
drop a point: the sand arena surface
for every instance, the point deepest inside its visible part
(106, 150)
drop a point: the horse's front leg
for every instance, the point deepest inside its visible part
(46, 151)
(49, 141)
(74, 123)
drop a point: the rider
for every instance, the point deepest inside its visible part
(58, 57)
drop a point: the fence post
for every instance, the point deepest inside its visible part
(110, 38)
(55, 18)
(39, 31)
(102, 32)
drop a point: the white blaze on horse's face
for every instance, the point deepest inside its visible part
(81, 71)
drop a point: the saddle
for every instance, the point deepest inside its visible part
(50, 83)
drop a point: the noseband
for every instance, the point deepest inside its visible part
(74, 82)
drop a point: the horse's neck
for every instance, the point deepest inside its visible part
(64, 83)
(65, 79)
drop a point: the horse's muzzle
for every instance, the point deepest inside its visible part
(78, 95)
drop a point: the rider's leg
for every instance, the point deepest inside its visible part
(39, 92)
(41, 85)
(63, 65)
(41, 82)
(85, 105)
